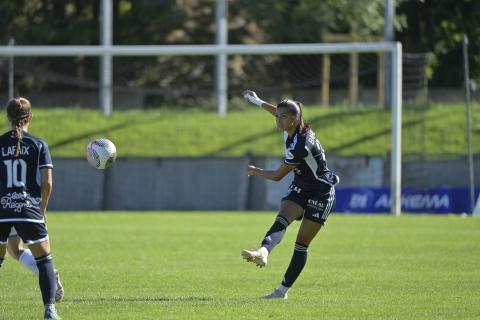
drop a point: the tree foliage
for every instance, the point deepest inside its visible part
(434, 26)
(438, 27)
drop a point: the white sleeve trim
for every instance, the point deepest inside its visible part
(286, 161)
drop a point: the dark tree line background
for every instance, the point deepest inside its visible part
(434, 26)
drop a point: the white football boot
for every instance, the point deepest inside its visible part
(276, 294)
(51, 313)
(259, 256)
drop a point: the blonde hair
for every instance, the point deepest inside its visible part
(19, 112)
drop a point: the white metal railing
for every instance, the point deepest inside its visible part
(197, 50)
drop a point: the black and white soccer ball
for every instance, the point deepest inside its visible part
(101, 153)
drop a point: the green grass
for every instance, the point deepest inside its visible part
(439, 129)
(188, 266)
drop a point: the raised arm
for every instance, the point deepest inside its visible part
(252, 97)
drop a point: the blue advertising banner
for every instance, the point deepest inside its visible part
(377, 200)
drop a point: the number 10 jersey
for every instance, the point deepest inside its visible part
(20, 178)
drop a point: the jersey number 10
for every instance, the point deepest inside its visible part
(12, 172)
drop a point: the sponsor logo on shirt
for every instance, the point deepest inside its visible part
(15, 201)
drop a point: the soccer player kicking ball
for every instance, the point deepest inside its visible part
(311, 195)
(25, 188)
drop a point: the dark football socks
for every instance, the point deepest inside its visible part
(46, 276)
(299, 259)
(275, 235)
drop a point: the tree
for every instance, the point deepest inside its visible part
(438, 27)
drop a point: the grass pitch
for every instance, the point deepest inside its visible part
(188, 266)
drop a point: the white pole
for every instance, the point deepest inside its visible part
(476, 210)
(471, 174)
(105, 92)
(11, 72)
(396, 154)
(194, 50)
(221, 39)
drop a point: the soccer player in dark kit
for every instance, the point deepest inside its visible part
(310, 197)
(25, 188)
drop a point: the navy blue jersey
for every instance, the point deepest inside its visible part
(305, 151)
(20, 188)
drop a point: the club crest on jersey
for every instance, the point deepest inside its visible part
(12, 150)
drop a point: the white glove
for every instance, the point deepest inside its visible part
(252, 97)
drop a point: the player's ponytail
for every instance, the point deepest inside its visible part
(304, 126)
(19, 112)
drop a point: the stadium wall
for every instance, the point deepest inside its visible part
(219, 183)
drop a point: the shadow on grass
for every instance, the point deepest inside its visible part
(324, 122)
(363, 139)
(254, 137)
(102, 131)
(138, 299)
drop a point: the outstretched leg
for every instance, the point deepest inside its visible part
(289, 211)
(16, 250)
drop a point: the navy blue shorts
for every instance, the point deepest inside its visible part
(317, 203)
(30, 232)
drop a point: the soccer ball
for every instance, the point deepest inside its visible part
(101, 153)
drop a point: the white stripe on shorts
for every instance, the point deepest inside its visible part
(36, 241)
(328, 207)
(22, 220)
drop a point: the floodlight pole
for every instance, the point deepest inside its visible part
(469, 122)
(396, 154)
(106, 27)
(221, 39)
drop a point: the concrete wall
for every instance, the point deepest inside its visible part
(76, 186)
(220, 183)
(151, 184)
(439, 173)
